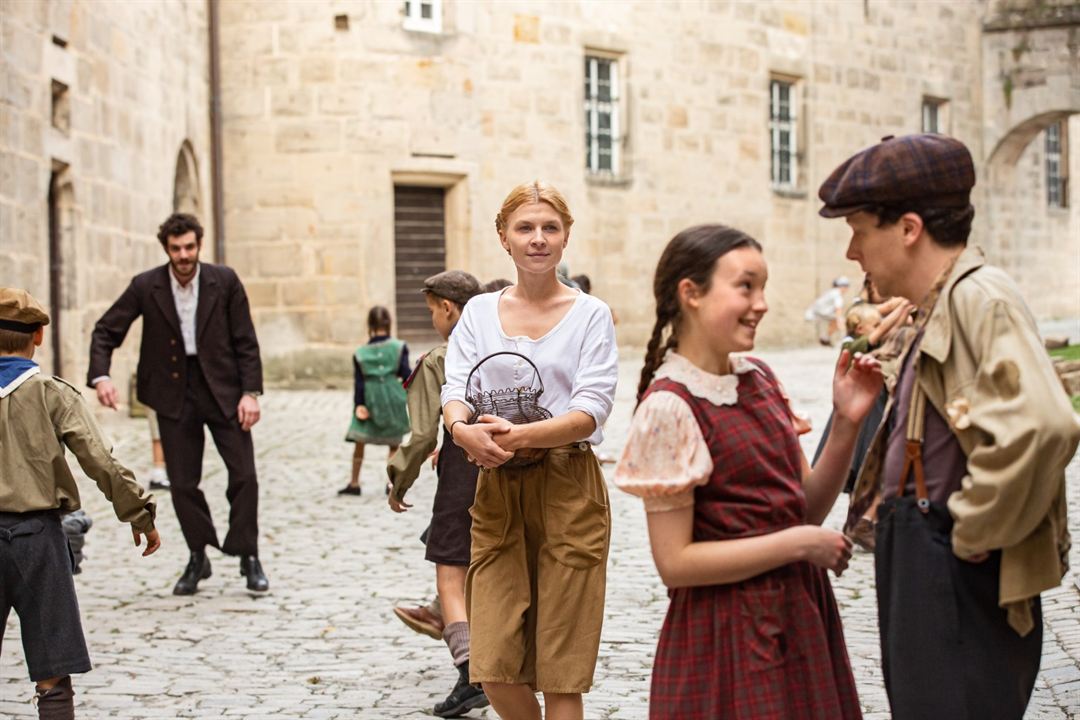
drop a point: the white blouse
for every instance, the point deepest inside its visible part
(577, 359)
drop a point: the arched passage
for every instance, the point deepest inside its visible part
(1039, 245)
(186, 183)
(65, 333)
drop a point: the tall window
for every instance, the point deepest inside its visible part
(602, 127)
(1056, 170)
(934, 114)
(423, 15)
(782, 132)
(930, 120)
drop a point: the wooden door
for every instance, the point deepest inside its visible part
(419, 252)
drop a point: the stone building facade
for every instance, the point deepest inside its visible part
(103, 131)
(366, 140)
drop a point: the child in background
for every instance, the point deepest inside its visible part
(496, 284)
(448, 537)
(734, 510)
(827, 311)
(40, 417)
(380, 417)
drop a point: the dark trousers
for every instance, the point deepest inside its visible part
(35, 581)
(449, 536)
(183, 440)
(946, 647)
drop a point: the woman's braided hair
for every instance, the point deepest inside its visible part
(692, 254)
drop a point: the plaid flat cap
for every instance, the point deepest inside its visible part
(454, 285)
(928, 170)
(19, 311)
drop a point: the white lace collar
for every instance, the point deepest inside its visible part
(717, 389)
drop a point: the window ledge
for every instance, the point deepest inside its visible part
(616, 181)
(790, 193)
(421, 26)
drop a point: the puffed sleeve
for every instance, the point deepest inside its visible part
(593, 391)
(461, 356)
(665, 456)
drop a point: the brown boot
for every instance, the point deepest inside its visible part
(56, 703)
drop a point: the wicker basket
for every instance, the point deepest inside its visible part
(519, 405)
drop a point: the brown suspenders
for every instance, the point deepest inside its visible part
(913, 460)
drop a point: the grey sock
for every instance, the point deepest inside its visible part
(456, 636)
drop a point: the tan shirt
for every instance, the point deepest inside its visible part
(37, 421)
(425, 415)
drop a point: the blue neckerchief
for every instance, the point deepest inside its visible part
(12, 366)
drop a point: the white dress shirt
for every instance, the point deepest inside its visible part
(577, 359)
(186, 298)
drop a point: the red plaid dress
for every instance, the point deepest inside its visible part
(771, 647)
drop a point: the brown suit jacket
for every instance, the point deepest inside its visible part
(228, 350)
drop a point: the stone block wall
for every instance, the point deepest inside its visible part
(321, 121)
(136, 77)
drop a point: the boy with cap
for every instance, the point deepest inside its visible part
(39, 416)
(970, 460)
(449, 535)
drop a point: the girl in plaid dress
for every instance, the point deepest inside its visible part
(734, 510)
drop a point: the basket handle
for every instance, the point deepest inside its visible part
(536, 371)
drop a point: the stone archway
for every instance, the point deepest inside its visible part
(1031, 80)
(67, 346)
(186, 197)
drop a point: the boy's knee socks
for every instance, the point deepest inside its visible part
(57, 703)
(456, 636)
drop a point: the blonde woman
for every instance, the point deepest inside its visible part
(536, 582)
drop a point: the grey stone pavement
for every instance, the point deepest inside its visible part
(324, 643)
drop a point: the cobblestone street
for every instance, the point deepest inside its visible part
(324, 642)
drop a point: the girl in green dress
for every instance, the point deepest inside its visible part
(380, 417)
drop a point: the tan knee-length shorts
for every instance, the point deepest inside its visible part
(535, 586)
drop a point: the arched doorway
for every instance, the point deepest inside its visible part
(186, 183)
(65, 332)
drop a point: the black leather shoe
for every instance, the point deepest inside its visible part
(198, 568)
(251, 568)
(463, 698)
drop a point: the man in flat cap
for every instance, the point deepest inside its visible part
(448, 537)
(199, 366)
(970, 460)
(36, 488)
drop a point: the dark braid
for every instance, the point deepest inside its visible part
(692, 254)
(652, 356)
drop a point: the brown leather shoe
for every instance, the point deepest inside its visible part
(422, 620)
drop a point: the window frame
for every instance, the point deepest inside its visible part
(1056, 165)
(414, 20)
(779, 124)
(594, 107)
(939, 107)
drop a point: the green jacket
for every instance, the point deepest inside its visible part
(425, 419)
(984, 369)
(37, 421)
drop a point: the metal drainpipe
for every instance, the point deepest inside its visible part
(216, 179)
